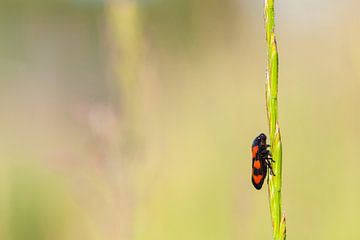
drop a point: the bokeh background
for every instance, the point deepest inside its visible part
(133, 120)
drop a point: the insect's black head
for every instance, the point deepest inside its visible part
(260, 140)
(262, 137)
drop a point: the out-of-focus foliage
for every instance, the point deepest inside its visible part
(100, 140)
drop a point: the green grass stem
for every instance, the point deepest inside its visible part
(274, 186)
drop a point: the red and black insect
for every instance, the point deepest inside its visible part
(261, 161)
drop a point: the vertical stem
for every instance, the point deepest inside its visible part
(274, 186)
(126, 32)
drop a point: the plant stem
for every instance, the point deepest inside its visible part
(274, 186)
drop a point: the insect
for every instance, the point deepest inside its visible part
(261, 161)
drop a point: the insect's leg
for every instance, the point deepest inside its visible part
(268, 155)
(266, 152)
(264, 155)
(268, 163)
(271, 171)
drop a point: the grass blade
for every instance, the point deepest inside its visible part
(274, 186)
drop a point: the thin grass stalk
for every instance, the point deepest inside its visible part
(274, 186)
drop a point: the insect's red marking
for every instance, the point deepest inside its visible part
(257, 179)
(255, 149)
(257, 164)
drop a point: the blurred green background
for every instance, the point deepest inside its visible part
(134, 120)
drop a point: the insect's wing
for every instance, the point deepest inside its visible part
(259, 171)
